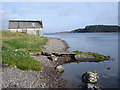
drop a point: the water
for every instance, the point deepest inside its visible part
(102, 43)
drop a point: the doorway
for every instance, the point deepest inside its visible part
(38, 32)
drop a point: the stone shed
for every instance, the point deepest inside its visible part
(26, 26)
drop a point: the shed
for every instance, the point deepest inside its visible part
(26, 26)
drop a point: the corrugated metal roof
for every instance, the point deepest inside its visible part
(14, 24)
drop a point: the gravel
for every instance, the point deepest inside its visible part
(56, 45)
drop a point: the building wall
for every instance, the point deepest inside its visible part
(41, 31)
(19, 30)
(16, 30)
(29, 30)
(13, 30)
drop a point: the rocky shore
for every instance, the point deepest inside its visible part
(47, 78)
(54, 53)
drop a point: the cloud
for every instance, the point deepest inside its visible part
(65, 13)
(53, 6)
(107, 17)
(6, 16)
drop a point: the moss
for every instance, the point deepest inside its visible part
(89, 53)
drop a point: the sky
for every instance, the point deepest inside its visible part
(61, 16)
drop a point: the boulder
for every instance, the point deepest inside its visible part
(53, 58)
(90, 77)
(83, 56)
(59, 68)
(46, 53)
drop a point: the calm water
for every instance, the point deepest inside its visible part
(102, 43)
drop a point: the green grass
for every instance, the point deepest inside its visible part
(34, 50)
(27, 43)
(100, 57)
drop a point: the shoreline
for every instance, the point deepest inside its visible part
(47, 78)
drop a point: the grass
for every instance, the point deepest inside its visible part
(34, 50)
(27, 43)
(100, 57)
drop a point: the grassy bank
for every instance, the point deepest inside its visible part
(15, 47)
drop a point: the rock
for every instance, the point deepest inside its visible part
(53, 58)
(108, 68)
(107, 57)
(90, 77)
(91, 86)
(46, 53)
(84, 56)
(32, 53)
(15, 66)
(39, 53)
(3, 65)
(17, 50)
(60, 68)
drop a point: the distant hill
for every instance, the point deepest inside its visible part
(96, 28)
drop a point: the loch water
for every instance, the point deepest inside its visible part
(102, 43)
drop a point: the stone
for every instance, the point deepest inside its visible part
(32, 53)
(15, 66)
(90, 77)
(60, 68)
(39, 53)
(3, 65)
(84, 56)
(107, 57)
(46, 53)
(92, 86)
(53, 58)
(17, 50)
(108, 68)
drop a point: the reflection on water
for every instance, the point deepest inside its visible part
(103, 43)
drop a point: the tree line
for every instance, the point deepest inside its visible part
(97, 28)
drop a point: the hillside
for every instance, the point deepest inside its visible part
(97, 28)
(15, 48)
